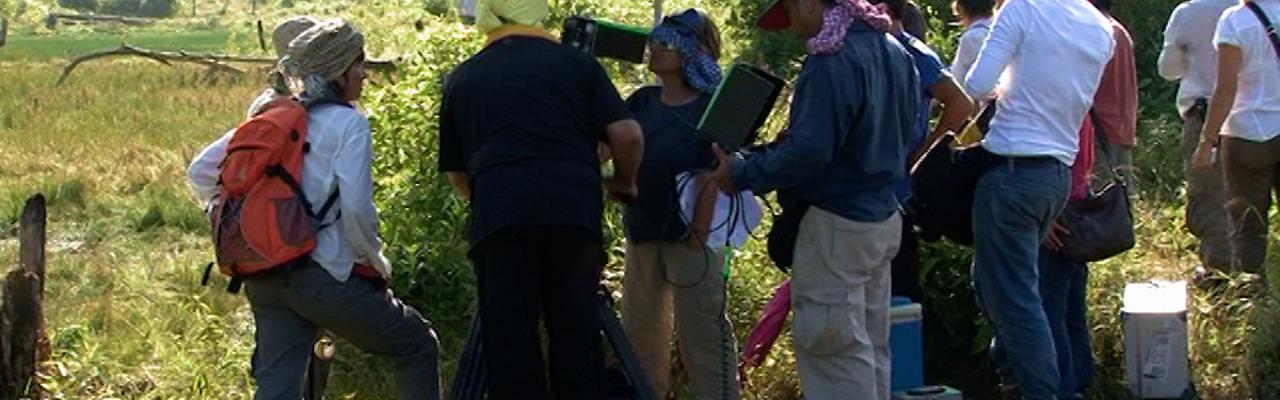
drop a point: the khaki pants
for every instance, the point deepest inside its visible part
(693, 285)
(1206, 199)
(840, 293)
(1253, 173)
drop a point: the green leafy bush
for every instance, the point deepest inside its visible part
(79, 5)
(139, 8)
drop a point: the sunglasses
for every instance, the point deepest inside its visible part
(662, 45)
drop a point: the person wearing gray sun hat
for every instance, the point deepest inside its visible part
(342, 285)
(329, 61)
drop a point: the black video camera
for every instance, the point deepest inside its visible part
(605, 39)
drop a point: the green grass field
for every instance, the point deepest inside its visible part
(128, 319)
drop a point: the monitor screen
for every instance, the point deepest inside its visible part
(740, 106)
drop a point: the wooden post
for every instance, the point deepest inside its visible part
(4, 31)
(21, 316)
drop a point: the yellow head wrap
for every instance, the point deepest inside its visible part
(493, 14)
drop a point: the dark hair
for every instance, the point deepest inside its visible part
(977, 8)
(1103, 5)
(897, 8)
(709, 35)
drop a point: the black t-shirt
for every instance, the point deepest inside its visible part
(523, 118)
(671, 146)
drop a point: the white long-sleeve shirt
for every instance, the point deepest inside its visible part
(1055, 52)
(1189, 53)
(340, 158)
(1255, 114)
(969, 46)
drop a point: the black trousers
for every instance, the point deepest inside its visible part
(550, 274)
(905, 271)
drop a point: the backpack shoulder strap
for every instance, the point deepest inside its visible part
(1266, 23)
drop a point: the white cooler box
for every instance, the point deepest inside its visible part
(1155, 340)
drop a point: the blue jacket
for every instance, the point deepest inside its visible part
(852, 115)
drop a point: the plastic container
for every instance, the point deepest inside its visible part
(906, 344)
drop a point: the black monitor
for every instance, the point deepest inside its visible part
(605, 39)
(740, 106)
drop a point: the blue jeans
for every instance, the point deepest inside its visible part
(1062, 286)
(1013, 207)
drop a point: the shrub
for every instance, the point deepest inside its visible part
(79, 5)
(138, 8)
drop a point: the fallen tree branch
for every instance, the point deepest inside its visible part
(218, 62)
(52, 21)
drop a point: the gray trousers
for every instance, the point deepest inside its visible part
(840, 293)
(289, 308)
(689, 299)
(1206, 198)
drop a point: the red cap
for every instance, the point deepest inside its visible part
(775, 18)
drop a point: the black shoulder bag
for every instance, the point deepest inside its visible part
(1101, 225)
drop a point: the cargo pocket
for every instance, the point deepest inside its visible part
(823, 329)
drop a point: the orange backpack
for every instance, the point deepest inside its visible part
(261, 218)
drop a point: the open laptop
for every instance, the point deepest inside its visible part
(740, 106)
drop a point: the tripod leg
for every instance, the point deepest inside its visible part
(318, 367)
(630, 364)
(468, 384)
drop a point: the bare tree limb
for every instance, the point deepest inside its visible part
(217, 62)
(52, 20)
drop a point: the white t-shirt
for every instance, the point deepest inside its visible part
(970, 43)
(1052, 54)
(1189, 53)
(1255, 116)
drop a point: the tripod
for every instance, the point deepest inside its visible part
(470, 381)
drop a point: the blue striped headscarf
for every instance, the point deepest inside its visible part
(701, 71)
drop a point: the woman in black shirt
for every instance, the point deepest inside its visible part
(668, 260)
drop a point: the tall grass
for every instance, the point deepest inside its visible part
(126, 315)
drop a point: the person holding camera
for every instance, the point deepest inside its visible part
(520, 123)
(854, 108)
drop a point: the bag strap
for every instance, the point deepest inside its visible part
(1266, 23)
(1101, 134)
(279, 172)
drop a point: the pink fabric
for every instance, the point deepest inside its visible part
(766, 332)
(1081, 170)
(836, 20)
(1116, 102)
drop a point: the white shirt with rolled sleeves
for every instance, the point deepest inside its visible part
(1055, 51)
(340, 157)
(1189, 53)
(1255, 116)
